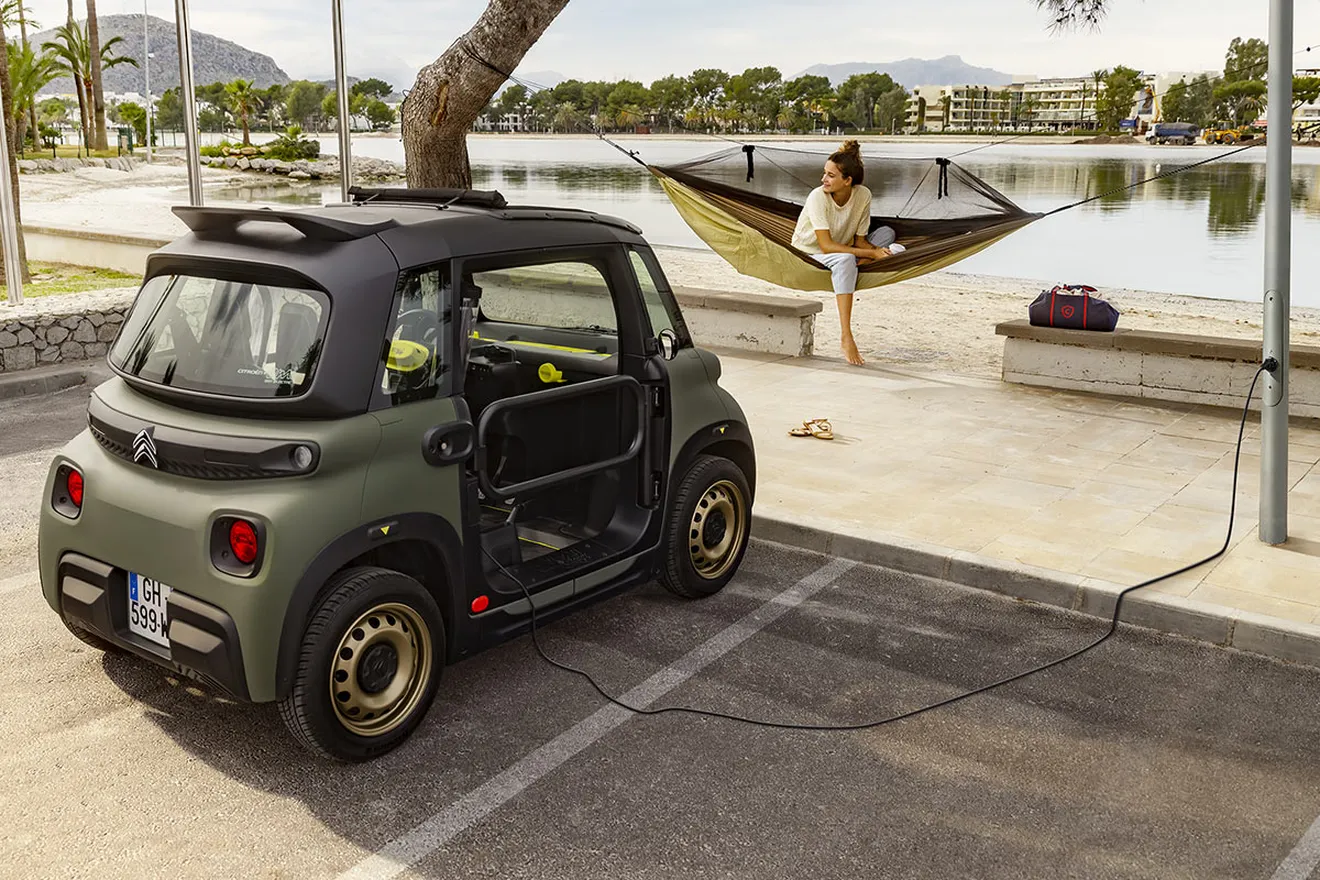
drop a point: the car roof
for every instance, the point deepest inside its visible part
(340, 247)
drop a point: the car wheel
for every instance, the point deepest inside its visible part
(369, 666)
(710, 523)
(89, 638)
(1230, 139)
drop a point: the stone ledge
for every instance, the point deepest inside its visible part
(753, 303)
(1219, 348)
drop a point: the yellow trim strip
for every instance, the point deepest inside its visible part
(541, 345)
(537, 543)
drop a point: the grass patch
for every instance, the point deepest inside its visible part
(49, 279)
(64, 152)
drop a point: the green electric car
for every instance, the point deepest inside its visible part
(346, 446)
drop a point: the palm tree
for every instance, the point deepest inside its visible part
(8, 11)
(242, 100)
(94, 56)
(8, 106)
(70, 52)
(946, 103)
(29, 73)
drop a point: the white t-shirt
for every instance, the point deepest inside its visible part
(844, 223)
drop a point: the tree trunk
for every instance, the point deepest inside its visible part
(98, 95)
(247, 137)
(32, 104)
(7, 110)
(451, 91)
(82, 109)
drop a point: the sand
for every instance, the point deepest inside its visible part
(945, 320)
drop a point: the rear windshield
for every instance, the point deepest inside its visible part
(225, 337)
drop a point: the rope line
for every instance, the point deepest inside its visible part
(1172, 171)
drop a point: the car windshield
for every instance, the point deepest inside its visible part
(237, 338)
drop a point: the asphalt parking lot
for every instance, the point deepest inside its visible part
(1149, 757)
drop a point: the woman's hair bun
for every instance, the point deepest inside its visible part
(851, 146)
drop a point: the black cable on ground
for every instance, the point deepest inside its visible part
(1269, 365)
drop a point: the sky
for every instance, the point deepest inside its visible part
(616, 39)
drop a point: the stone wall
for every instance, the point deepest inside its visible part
(45, 331)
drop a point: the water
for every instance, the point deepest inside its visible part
(1199, 232)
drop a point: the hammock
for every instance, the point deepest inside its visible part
(744, 202)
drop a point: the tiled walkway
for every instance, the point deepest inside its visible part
(1107, 488)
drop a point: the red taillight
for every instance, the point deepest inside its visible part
(480, 604)
(243, 541)
(74, 483)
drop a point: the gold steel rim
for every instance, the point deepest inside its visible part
(381, 669)
(716, 530)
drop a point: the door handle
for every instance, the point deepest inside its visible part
(448, 443)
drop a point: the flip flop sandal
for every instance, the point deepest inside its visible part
(824, 423)
(804, 431)
(821, 430)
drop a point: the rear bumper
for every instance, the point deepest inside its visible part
(203, 639)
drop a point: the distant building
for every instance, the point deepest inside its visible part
(958, 108)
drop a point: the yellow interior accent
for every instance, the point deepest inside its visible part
(384, 530)
(550, 374)
(545, 345)
(406, 356)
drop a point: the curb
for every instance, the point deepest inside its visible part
(1227, 627)
(28, 383)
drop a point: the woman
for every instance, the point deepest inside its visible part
(834, 229)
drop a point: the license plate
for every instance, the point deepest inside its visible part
(147, 600)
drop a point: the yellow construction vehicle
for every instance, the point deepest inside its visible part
(1217, 135)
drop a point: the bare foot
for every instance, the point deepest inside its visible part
(851, 354)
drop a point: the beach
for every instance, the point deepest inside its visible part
(945, 320)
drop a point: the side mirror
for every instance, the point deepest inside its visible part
(668, 340)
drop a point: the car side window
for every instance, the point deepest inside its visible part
(660, 304)
(567, 295)
(418, 360)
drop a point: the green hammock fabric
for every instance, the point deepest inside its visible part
(742, 205)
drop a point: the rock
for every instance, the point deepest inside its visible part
(26, 336)
(85, 332)
(20, 358)
(230, 162)
(107, 333)
(71, 351)
(39, 345)
(299, 175)
(50, 355)
(302, 165)
(249, 151)
(71, 322)
(41, 334)
(114, 318)
(243, 164)
(7, 339)
(96, 318)
(13, 327)
(56, 335)
(46, 321)
(28, 165)
(95, 350)
(283, 167)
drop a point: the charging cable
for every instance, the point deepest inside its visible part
(1269, 365)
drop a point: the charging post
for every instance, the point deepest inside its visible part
(1278, 268)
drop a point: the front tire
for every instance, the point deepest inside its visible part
(710, 524)
(368, 668)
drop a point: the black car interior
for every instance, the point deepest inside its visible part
(530, 391)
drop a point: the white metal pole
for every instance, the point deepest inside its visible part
(189, 97)
(9, 232)
(341, 87)
(146, 67)
(1278, 268)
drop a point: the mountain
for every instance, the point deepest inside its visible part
(949, 70)
(214, 59)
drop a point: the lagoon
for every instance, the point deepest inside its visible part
(1200, 232)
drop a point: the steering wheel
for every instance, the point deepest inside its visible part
(420, 325)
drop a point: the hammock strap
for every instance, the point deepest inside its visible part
(942, 185)
(751, 166)
(1172, 171)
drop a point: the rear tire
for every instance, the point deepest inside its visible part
(368, 668)
(89, 638)
(710, 524)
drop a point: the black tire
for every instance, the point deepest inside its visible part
(402, 638)
(710, 483)
(89, 638)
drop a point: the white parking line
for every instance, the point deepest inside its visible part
(19, 582)
(403, 852)
(1304, 858)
